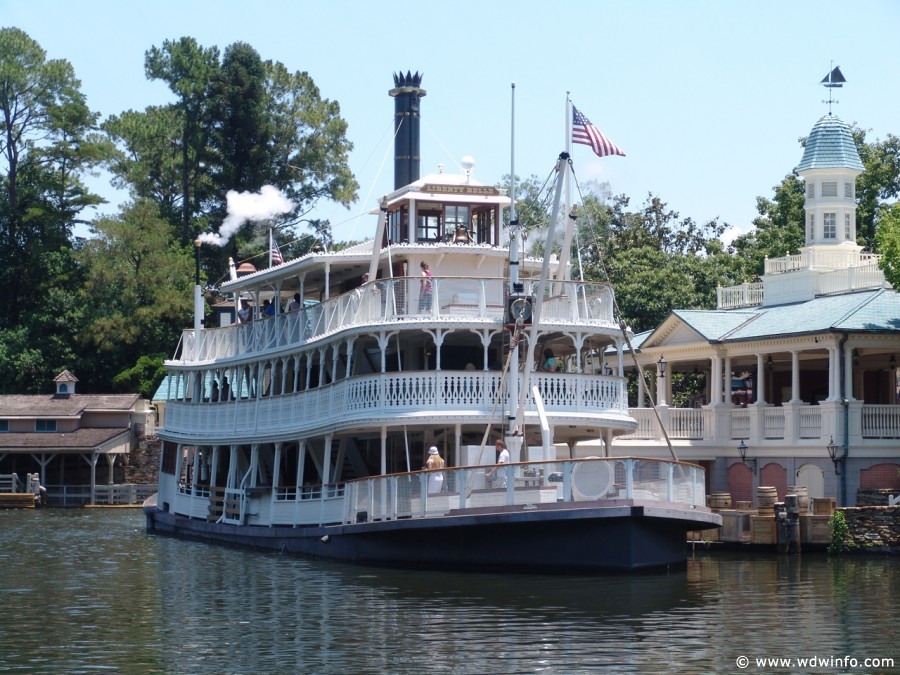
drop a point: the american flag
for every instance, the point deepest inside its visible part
(587, 134)
(276, 254)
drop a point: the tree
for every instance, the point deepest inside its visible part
(878, 184)
(887, 241)
(143, 280)
(188, 69)
(46, 143)
(778, 230)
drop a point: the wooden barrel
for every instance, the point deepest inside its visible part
(720, 500)
(766, 496)
(743, 506)
(802, 493)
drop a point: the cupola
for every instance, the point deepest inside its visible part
(829, 167)
(65, 383)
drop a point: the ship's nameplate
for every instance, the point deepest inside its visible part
(460, 189)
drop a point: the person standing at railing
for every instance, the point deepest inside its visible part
(425, 289)
(435, 464)
(497, 475)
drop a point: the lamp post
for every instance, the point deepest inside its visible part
(833, 448)
(742, 451)
(661, 383)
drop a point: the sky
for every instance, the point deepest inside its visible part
(707, 98)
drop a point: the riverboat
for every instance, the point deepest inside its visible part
(311, 431)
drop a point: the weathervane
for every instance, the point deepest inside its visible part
(833, 79)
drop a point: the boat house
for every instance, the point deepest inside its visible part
(79, 444)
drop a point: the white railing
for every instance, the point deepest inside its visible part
(820, 259)
(742, 295)
(773, 423)
(9, 482)
(392, 300)
(363, 399)
(686, 423)
(590, 480)
(881, 421)
(850, 279)
(810, 421)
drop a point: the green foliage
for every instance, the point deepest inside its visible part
(144, 377)
(777, 231)
(877, 186)
(887, 241)
(47, 142)
(840, 534)
(143, 281)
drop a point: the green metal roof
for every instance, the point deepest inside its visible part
(868, 311)
(830, 146)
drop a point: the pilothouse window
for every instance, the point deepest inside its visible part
(428, 225)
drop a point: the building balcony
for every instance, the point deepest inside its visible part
(795, 425)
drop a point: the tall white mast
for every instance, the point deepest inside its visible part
(564, 271)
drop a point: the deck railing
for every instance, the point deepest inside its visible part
(393, 300)
(523, 484)
(354, 401)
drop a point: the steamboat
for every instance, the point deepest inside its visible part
(390, 411)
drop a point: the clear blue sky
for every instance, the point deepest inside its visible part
(707, 99)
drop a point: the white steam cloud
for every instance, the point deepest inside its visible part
(244, 206)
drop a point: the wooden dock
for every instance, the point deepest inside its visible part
(16, 500)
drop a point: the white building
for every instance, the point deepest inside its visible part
(813, 347)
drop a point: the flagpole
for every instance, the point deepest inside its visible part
(270, 244)
(513, 381)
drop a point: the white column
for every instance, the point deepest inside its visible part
(715, 381)
(726, 381)
(795, 377)
(760, 379)
(848, 373)
(641, 392)
(661, 385)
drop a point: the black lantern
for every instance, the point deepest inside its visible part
(833, 453)
(661, 366)
(742, 451)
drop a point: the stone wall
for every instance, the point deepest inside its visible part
(143, 465)
(873, 497)
(874, 529)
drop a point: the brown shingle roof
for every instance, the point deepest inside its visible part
(47, 405)
(80, 440)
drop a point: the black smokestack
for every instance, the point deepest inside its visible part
(406, 92)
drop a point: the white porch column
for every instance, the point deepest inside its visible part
(834, 374)
(641, 392)
(848, 373)
(715, 381)
(760, 379)
(195, 474)
(795, 376)
(726, 382)
(661, 385)
(110, 462)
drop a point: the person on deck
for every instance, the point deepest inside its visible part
(497, 475)
(436, 477)
(549, 364)
(295, 304)
(425, 289)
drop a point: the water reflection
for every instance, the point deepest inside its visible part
(93, 591)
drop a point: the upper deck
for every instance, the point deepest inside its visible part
(394, 303)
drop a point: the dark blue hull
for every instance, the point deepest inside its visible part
(609, 539)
